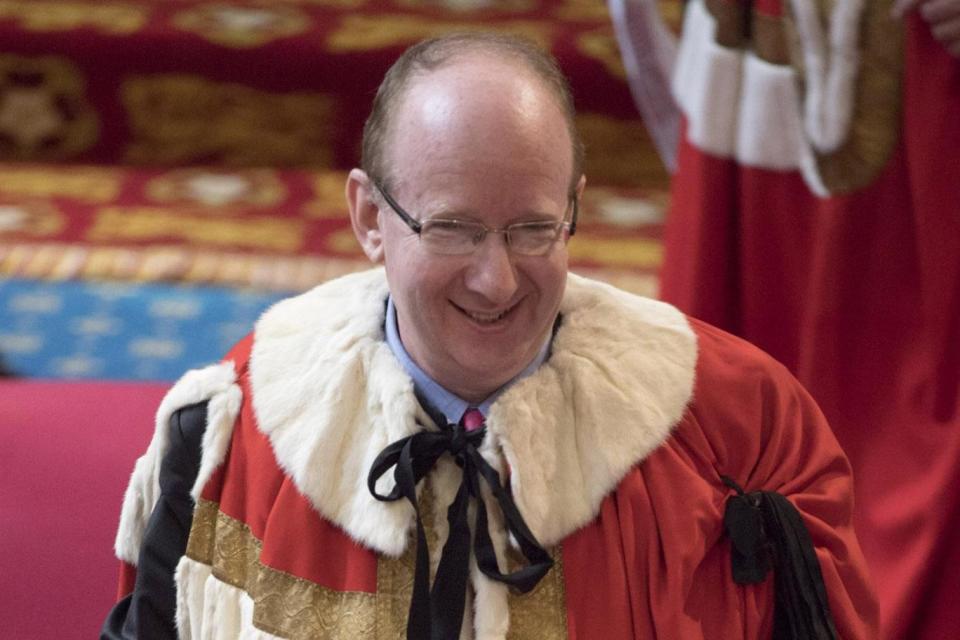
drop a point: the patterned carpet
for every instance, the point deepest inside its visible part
(169, 169)
(142, 273)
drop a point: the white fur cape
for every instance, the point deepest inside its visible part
(330, 395)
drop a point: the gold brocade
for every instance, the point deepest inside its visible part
(284, 605)
(203, 531)
(291, 607)
(620, 151)
(212, 187)
(239, 26)
(395, 576)
(114, 18)
(85, 184)
(236, 554)
(542, 613)
(875, 123)
(600, 44)
(170, 121)
(154, 223)
(44, 114)
(363, 32)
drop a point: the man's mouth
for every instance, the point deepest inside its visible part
(486, 318)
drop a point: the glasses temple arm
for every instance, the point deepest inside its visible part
(406, 217)
(573, 219)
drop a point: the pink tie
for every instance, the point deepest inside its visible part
(472, 419)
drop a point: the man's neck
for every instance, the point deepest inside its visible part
(431, 392)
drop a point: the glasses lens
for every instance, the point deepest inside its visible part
(451, 237)
(534, 238)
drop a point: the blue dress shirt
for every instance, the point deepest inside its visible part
(429, 390)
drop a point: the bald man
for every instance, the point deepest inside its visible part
(469, 442)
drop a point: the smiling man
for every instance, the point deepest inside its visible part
(469, 442)
(480, 146)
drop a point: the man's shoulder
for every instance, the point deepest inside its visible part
(611, 321)
(726, 359)
(748, 411)
(602, 313)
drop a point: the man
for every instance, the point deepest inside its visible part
(473, 418)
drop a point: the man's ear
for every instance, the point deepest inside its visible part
(581, 184)
(365, 214)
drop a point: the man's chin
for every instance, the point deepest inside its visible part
(485, 372)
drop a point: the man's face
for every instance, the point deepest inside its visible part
(476, 141)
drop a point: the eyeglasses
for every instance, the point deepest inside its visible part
(451, 237)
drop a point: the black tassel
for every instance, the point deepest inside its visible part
(767, 532)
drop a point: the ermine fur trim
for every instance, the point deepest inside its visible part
(216, 384)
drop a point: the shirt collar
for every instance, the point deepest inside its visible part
(429, 390)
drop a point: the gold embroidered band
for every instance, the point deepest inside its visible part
(284, 605)
(291, 607)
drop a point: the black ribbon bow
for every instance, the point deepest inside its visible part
(437, 613)
(766, 532)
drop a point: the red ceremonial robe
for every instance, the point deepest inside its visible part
(614, 449)
(844, 264)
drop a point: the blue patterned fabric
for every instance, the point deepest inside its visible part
(120, 331)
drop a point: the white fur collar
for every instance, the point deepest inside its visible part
(330, 395)
(215, 385)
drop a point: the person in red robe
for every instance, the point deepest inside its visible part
(469, 441)
(816, 213)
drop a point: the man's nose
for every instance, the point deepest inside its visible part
(492, 272)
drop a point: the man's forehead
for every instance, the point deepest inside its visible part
(476, 94)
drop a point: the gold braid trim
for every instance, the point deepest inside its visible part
(291, 607)
(203, 532)
(542, 613)
(295, 608)
(284, 605)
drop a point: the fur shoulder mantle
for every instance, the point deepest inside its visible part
(330, 395)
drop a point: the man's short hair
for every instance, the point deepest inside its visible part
(429, 55)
